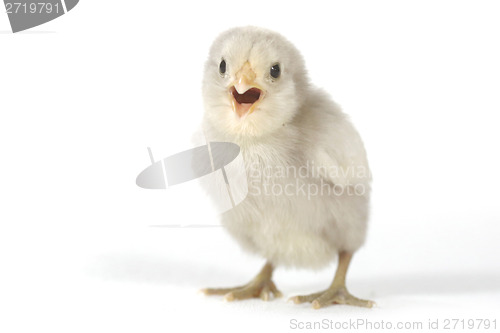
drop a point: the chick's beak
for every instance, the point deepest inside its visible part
(245, 94)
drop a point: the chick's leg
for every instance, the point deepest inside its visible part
(261, 286)
(337, 292)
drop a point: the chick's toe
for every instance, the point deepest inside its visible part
(259, 287)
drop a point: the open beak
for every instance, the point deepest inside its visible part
(245, 94)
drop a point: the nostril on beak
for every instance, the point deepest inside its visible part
(245, 78)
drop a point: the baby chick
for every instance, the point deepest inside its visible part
(308, 175)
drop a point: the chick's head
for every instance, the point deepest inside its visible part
(254, 82)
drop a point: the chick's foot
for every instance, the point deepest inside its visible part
(337, 292)
(260, 287)
(333, 295)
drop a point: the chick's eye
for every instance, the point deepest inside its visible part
(222, 67)
(275, 71)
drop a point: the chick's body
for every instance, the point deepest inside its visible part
(308, 176)
(285, 217)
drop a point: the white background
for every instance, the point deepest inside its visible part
(82, 97)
